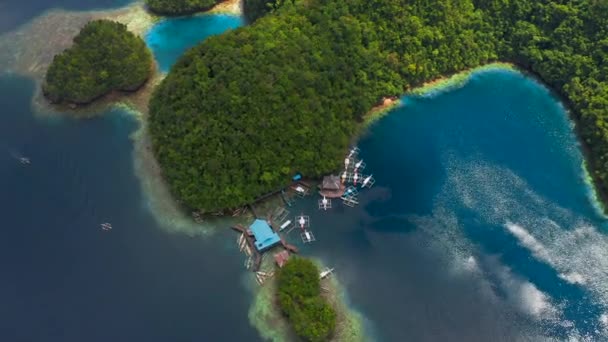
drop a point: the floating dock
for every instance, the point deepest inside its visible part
(279, 215)
(288, 201)
(246, 244)
(249, 247)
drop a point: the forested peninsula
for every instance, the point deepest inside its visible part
(179, 7)
(105, 57)
(241, 112)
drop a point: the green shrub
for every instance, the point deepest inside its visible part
(104, 57)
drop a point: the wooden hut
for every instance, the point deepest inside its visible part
(331, 187)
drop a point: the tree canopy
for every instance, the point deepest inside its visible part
(300, 299)
(105, 57)
(241, 112)
(179, 7)
(254, 9)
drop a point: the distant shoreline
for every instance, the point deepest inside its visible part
(441, 83)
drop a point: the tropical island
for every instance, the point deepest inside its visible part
(105, 57)
(241, 112)
(299, 294)
(301, 303)
(179, 7)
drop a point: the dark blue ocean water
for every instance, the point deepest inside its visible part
(480, 227)
(65, 279)
(14, 13)
(169, 39)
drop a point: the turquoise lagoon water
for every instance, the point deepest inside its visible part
(170, 38)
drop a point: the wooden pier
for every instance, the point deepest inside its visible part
(288, 201)
(257, 256)
(252, 210)
(289, 247)
(276, 228)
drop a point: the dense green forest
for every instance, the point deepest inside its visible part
(179, 7)
(299, 292)
(239, 113)
(254, 9)
(104, 57)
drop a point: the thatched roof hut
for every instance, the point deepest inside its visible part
(331, 183)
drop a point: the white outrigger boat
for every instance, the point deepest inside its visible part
(285, 225)
(303, 221)
(353, 152)
(368, 182)
(307, 236)
(325, 203)
(360, 165)
(326, 272)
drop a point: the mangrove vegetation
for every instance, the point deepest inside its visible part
(241, 112)
(105, 57)
(299, 293)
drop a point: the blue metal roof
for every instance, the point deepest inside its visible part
(265, 237)
(296, 177)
